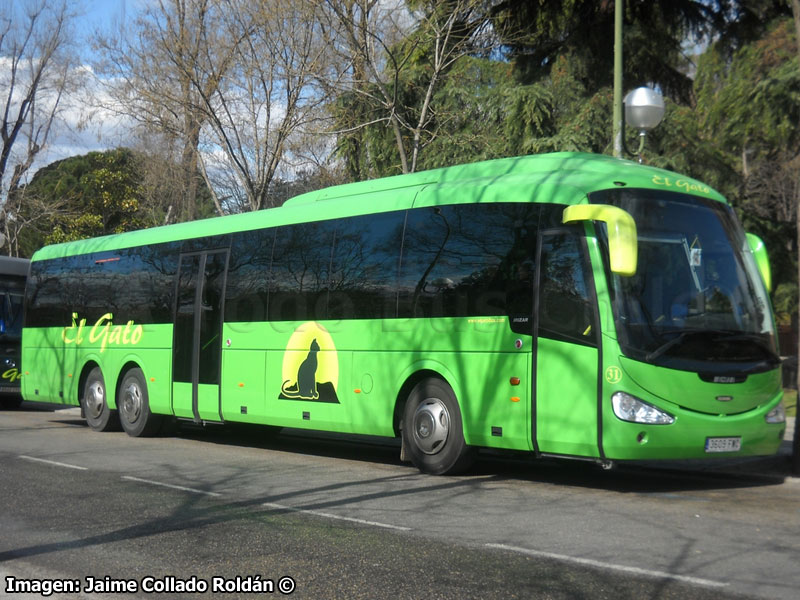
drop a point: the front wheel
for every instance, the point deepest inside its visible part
(95, 406)
(432, 433)
(134, 406)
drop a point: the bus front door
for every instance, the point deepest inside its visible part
(565, 412)
(196, 344)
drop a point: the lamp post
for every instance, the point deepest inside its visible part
(618, 115)
(643, 107)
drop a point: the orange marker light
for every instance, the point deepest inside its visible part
(515, 398)
(357, 391)
(241, 385)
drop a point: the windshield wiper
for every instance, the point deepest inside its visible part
(716, 335)
(752, 338)
(679, 339)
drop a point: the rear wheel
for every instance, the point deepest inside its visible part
(95, 407)
(433, 436)
(134, 406)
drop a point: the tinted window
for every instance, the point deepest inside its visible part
(134, 284)
(248, 276)
(211, 317)
(300, 271)
(469, 260)
(11, 314)
(198, 314)
(184, 318)
(565, 303)
(363, 282)
(46, 295)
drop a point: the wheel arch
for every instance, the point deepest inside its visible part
(87, 367)
(128, 365)
(411, 377)
(104, 419)
(136, 417)
(113, 374)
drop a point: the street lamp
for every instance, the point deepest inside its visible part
(644, 109)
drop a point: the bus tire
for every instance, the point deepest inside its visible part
(95, 405)
(433, 435)
(133, 403)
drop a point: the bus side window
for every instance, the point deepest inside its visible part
(565, 302)
(300, 272)
(248, 276)
(469, 260)
(364, 263)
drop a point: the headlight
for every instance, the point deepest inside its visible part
(630, 408)
(776, 415)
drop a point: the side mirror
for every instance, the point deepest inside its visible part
(622, 238)
(759, 251)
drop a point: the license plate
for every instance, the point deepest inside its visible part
(723, 444)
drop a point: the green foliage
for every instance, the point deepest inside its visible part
(99, 193)
(83, 196)
(471, 110)
(482, 112)
(538, 33)
(785, 302)
(752, 100)
(748, 106)
(680, 144)
(530, 110)
(577, 120)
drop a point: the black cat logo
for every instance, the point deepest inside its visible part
(306, 387)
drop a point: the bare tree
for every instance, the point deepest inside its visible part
(269, 95)
(38, 70)
(233, 79)
(382, 41)
(163, 175)
(158, 72)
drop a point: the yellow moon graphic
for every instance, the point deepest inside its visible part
(297, 349)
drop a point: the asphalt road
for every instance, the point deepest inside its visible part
(333, 518)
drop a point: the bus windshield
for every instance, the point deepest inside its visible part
(696, 301)
(11, 315)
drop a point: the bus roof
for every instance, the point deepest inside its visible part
(10, 265)
(562, 178)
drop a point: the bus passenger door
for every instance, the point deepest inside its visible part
(565, 412)
(196, 344)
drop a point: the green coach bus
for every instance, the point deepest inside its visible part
(566, 304)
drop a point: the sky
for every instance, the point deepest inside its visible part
(70, 139)
(100, 15)
(104, 13)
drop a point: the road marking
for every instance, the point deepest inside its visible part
(611, 566)
(53, 462)
(173, 487)
(674, 496)
(337, 517)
